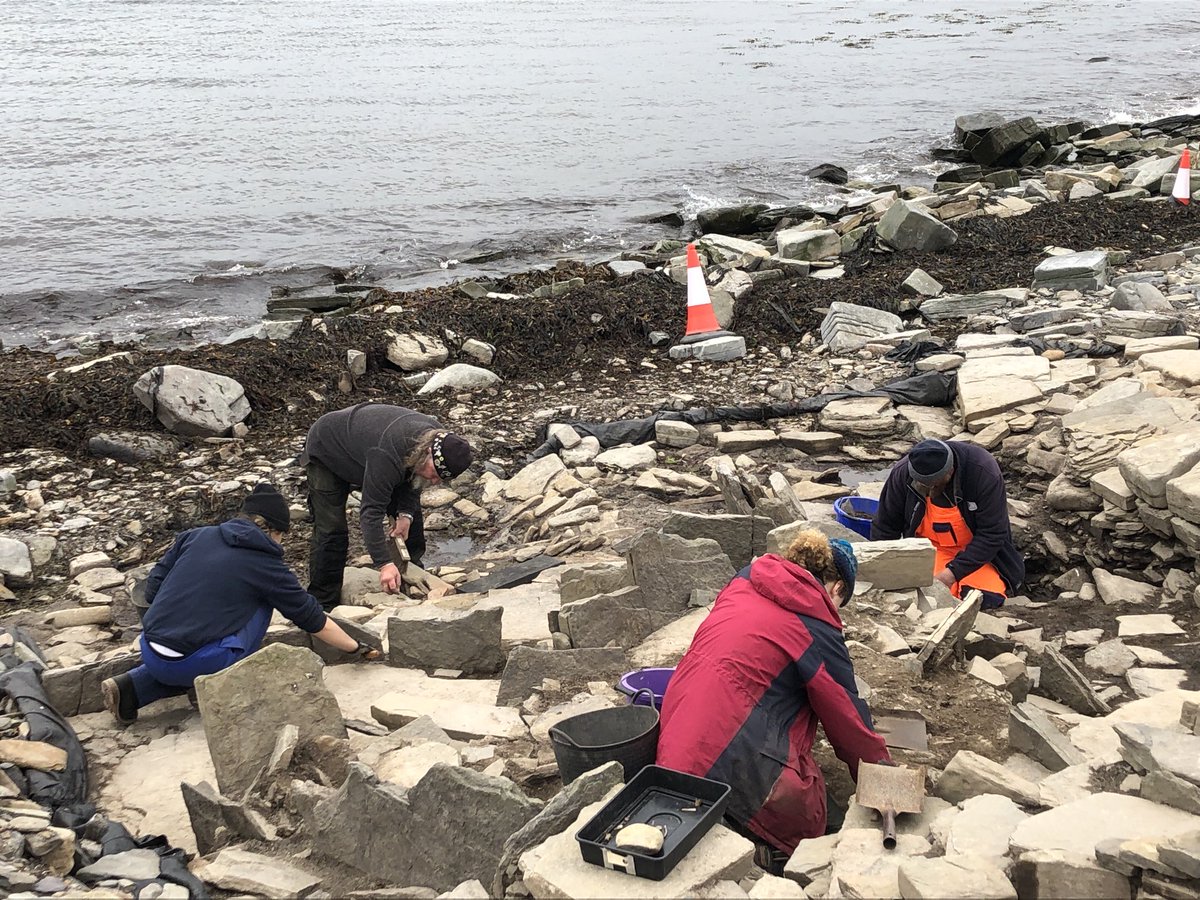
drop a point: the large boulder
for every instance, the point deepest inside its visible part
(910, 226)
(1140, 297)
(460, 377)
(808, 244)
(244, 706)
(849, 326)
(1072, 271)
(451, 827)
(414, 352)
(620, 618)
(468, 642)
(192, 402)
(729, 219)
(1005, 144)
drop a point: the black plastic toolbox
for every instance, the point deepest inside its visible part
(684, 806)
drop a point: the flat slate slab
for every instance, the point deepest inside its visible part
(511, 576)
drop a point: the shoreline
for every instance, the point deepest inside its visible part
(1033, 349)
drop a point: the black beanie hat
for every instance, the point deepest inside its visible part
(451, 456)
(268, 503)
(930, 460)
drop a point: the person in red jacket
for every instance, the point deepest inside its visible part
(765, 666)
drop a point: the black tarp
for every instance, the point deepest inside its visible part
(925, 389)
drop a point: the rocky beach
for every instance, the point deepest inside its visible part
(1042, 300)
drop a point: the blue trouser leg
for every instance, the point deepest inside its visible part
(159, 677)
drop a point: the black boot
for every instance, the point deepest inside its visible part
(120, 698)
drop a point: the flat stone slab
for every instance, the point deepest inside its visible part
(1156, 623)
(1073, 271)
(1148, 682)
(1097, 739)
(463, 721)
(510, 576)
(896, 565)
(932, 879)
(1079, 826)
(555, 869)
(243, 872)
(719, 349)
(1182, 366)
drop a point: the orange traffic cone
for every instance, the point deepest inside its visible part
(701, 319)
(1182, 193)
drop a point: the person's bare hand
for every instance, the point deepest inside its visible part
(401, 528)
(389, 578)
(946, 577)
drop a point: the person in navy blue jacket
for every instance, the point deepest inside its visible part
(211, 598)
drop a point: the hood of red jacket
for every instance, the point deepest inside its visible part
(794, 588)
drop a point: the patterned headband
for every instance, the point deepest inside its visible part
(439, 459)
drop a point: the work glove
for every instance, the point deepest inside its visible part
(367, 652)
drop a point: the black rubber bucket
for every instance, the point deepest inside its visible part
(624, 734)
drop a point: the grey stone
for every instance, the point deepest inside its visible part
(1111, 657)
(469, 642)
(668, 568)
(1119, 589)
(1062, 681)
(933, 879)
(624, 267)
(847, 326)
(717, 349)
(480, 351)
(676, 434)
(414, 352)
(1031, 731)
(134, 865)
(1170, 790)
(217, 820)
(580, 582)
(969, 774)
(1140, 297)
(1149, 172)
(1054, 874)
(460, 377)
(807, 244)
(920, 283)
(243, 872)
(1135, 324)
(1004, 143)
(960, 306)
(192, 402)
(244, 706)
(1183, 853)
(130, 446)
(560, 812)
(741, 537)
(528, 667)
(1073, 271)
(621, 618)
(74, 690)
(910, 226)
(451, 827)
(1148, 466)
(1077, 827)
(896, 565)
(980, 831)
(16, 565)
(1160, 749)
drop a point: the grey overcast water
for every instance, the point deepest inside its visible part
(163, 162)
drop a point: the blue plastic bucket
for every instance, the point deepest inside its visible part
(856, 513)
(654, 680)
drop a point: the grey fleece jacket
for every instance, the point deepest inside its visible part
(366, 446)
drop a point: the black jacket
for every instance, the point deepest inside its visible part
(214, 579)
(367, 446)
(978, 491)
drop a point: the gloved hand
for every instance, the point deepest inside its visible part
(367, 652)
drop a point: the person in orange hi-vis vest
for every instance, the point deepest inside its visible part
(953, 494)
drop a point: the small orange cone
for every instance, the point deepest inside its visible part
(701, 318)
(1182, 193)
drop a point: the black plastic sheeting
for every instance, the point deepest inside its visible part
(926, 389)
(65, 792)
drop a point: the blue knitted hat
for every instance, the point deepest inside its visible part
(847, 565)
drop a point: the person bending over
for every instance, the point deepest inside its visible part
(767, 664)
(211, 598)
(391, 453)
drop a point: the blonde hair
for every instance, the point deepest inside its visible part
(811, 550)
(421, 449)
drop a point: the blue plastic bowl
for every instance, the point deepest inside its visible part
(640, 679)
(856, 513)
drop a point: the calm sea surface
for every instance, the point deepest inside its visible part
(163, 162)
